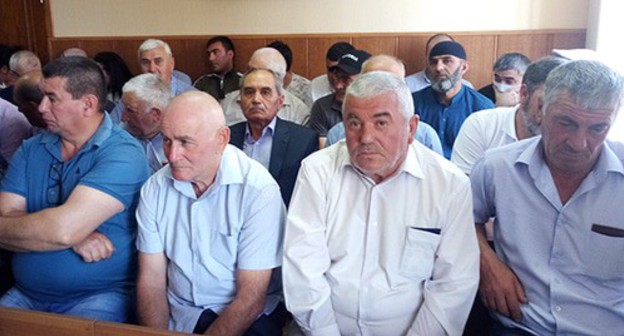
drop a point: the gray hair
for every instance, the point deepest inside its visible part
(150, 89)
(537, 72)
(279, 82)
(382, 61)
(512, 61)
(590, 84)
(150, 44)
(24, 61)
(376, 83)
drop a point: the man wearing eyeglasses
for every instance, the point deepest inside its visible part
(67, 203)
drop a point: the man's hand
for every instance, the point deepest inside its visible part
(94, 248)
(500, 288)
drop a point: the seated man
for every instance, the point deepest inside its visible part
(293, 109)
(379, 238)
(558, 225)
(422, 79)
(20, 63)
(155, 57)
(503, 125)
(67, 203)
(327, 111)
(323, 85)
(448, 102)
(210, 231)
(508, 71)
(224, 78)
(279, 145)
(14, 128)
(425, 134)
(293, 83)
(27, 96)
(145, 98)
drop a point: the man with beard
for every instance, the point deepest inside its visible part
(224, 78)
(447, 102)
(504, 125)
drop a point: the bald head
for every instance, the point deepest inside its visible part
(385, 63)
(269, 59)
(195, 137)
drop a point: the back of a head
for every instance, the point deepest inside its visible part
(590, 84)
(116, 68)
(74, 52)
(24, 61)
(83, 76)
(27, 90)
(225, 41)
(150, 89)
(375, 83)
(285, 50)
(537, 72)
(337, 50)
(386, 63)
(268, 58)
(150, 44)
(512, 61)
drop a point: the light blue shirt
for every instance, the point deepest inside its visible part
(177, 87)
(425, 134)
(573, 276)
(154, 151)
(236, 224)
(260, 150)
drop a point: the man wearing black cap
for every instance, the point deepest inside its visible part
(447, 102)
(327, 111)
(324, 85)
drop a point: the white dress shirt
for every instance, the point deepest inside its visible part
(395, 258)
(481, 131)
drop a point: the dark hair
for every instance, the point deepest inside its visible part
(337, 50)
(83, 76)
(225, 41)
(117, 70)
(6, 51)
(27, 92)
(285, 50)
(537, 72)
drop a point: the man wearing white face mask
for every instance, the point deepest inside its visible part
(508, 71)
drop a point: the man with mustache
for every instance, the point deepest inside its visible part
(379, 239)
(279, 145)
(448, 102)
(558, 230)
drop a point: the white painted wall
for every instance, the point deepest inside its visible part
(73, 18)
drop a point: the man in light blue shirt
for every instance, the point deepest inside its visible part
(556, 199)
(145, 98)
(155, 57)
(210, 231)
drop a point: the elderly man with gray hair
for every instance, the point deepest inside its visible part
(379, 238)
(558, 224)
(145, 98)
(293, 109)
(155, 57)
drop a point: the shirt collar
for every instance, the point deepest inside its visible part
(269, 130)
(510, 127)
(102, 133)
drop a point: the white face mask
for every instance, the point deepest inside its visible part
(500, 87)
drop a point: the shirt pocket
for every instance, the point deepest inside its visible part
(223, 250)
(417, 257)
(603, 256)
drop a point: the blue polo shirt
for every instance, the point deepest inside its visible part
(447, 120)
(111, 161)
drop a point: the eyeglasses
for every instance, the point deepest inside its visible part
(55, 191)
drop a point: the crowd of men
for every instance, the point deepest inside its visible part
(361, 202)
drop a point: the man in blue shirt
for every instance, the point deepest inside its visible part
(210, 231)
(67, 203)
(448, 102)
(556, 199)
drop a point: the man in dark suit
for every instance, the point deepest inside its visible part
(279, 145)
